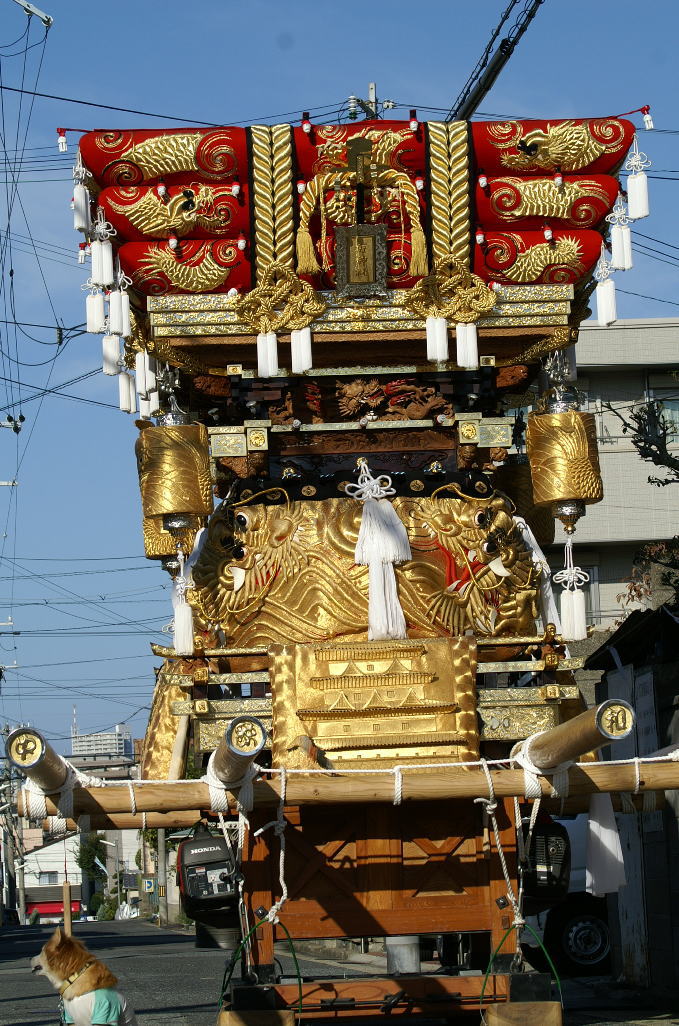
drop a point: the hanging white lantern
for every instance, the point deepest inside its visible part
(467, 350)
(267, 354)
(621, 247)
(125, 314)
(140, 373)
(126, 397)
(154, 402)
(111, 355)
(437, 339)
(115, 312)
(150, 375)
(97, 263)
(82, 220)
(300, 350)
(144, 408)
(637, 183)
(95, 315)
(605, 292)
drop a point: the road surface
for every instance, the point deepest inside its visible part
(169, 982)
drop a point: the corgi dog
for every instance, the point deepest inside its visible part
(86, 985)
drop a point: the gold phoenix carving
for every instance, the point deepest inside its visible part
(366, 701)
(530, 264)
(542, 198)
(151, 216)
(564, 460)
(567, 146)
(174, 470)
(271, 574)
(281, 301)
(203, 274)
(452, 292)
(176, 152)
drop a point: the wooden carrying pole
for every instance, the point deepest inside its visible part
(241, 743)
(318, 788)
(127, 821)
(591, 730)
(28, 750)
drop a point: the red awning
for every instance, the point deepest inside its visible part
(50, 908)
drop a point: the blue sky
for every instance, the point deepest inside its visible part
(71, 528)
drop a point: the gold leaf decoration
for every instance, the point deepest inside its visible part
(281, 301)
(563, 455)
(452, 292)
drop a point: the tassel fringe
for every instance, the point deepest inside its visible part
(307, 262)
(418, 256)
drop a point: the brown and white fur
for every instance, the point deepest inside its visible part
(71, 968)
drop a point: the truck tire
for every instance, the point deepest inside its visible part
(577, 937)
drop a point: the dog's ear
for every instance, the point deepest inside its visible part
(57, 936)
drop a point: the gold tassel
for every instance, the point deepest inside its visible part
(418, 256)
(306, 254)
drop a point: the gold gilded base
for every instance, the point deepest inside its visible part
(385, 701)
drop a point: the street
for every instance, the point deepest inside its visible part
(170, 982)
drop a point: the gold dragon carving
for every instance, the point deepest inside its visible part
(568, 146)
(173, 153)
(564, 459)
(151, 216)
(562, 254)
(451, 291)
(542, 199)
(281, 301)
(203, 274)
(270, 574)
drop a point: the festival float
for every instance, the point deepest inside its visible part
(327, 334)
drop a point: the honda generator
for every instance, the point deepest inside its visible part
(206, 874)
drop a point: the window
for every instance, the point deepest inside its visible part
(669, 397)
(47, 878)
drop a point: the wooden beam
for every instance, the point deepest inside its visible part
(611, 721)
(319, 788)
(127, 821)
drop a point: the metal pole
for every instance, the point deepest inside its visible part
(162, 878)
(118, 870)
(21, 879)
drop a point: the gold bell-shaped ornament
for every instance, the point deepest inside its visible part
(564, 460)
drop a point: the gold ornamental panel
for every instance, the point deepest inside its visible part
(564, 458)
(367, 703)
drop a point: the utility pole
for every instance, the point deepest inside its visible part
(162, 878)
(484, 75)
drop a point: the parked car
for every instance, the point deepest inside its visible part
(575, 932)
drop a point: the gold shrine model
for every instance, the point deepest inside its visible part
(333, 328)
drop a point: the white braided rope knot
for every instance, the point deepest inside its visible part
(531, 773)
(36, 797)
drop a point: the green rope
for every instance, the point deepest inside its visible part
(518, 927)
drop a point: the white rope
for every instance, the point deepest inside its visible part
(560, 785)
(36, 797)
(143, 821)
(278, 825)
(490, 808)
(133, 800)
(219, 801)
(637, 776)
(398, 785)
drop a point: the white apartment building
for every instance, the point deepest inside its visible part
(112, 742)
(631, 361)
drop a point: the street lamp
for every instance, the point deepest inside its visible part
(114, 844)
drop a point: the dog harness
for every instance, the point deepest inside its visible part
(99, 1008)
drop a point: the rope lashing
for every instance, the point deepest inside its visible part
(36, 797)
(133, 800)
(398, 785)
(532, 773)
(278, 825)
(489, 805)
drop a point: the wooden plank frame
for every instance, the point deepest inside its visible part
(381, 870)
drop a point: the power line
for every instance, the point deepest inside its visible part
(149, 114)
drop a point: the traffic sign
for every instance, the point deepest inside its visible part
(149, 886)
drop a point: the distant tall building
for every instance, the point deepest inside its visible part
(110, 742)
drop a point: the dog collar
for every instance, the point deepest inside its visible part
(74, 976)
